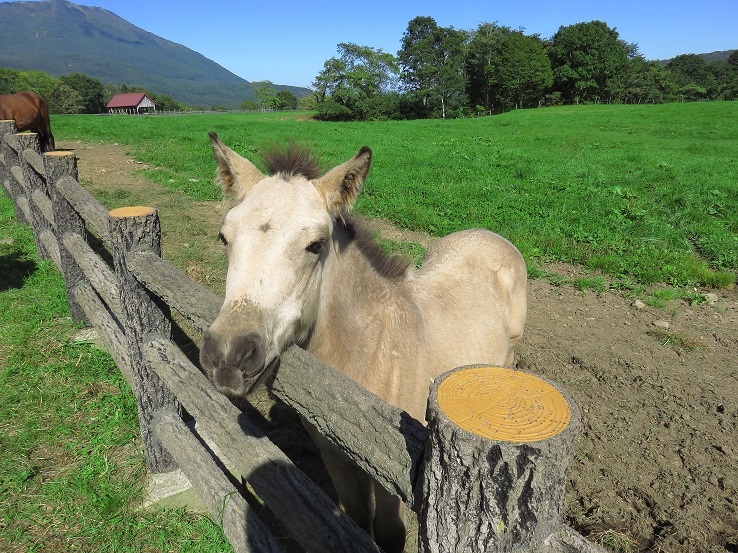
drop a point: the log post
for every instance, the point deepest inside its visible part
(61, 165)
(138, 229)
(499, 447)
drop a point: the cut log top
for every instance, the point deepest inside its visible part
(58, 153)
(503, 404)
(132, 211)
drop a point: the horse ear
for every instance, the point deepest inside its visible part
(236, 175)
(341, 185)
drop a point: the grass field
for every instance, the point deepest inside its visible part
(71, 465)
(642, 193)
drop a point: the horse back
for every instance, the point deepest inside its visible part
(31, 113)
(472, 292)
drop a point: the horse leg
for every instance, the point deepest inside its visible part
(352, 484)
(389, 520)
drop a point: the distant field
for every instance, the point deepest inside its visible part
(645, 194)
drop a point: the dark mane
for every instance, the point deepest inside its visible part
(389, 266)
(292, 161)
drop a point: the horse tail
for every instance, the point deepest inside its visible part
(47, 139)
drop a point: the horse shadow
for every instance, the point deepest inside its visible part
(15, 268)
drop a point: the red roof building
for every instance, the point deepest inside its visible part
(130, 103)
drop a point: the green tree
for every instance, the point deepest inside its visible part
(265, 93)
(432, 62)
(285, 100)
(693, 77)
(588, 60)
(90, 90)
(506, 68)
(348, 87)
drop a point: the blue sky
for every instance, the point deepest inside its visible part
(287, 42)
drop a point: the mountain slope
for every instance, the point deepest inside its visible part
(59, 37)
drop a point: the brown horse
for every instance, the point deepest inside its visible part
(301, 270)
(31, 114)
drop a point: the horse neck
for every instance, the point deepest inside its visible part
(357, 303)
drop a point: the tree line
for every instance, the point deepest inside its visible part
(80, 93)
(442, 72)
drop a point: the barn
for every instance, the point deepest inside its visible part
(131, 103)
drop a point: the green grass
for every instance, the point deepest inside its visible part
(646, 193)
(71, 467)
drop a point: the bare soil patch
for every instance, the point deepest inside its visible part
(655, 466)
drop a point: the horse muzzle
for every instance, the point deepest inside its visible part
(233, 363)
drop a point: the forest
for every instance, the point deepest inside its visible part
(442, 72)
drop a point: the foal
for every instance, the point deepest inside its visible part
(302, 271)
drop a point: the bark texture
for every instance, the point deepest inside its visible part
(144, 315)
(482, 495)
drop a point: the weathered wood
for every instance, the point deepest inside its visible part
(497, 484)
(306, 512)
(60, 166)
(32, 182)
(48, 239)
(132, 229)
(13, 176)
(84, 203)
(383, 440)
(108, 328)
(195, 303)
(34, 160)
(242, 526)
(101, 277)
(43, 203)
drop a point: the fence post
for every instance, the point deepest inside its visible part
(58, 165)
(496, 459)
(136, 229)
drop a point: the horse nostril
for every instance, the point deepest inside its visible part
(244, 353)
(247, 352)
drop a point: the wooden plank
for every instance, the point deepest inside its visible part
(43, 203)
(49, 241)
(195, 303)
(101, 276)
(306, 512)
(35, 161)
(383, 440)
(85, 204)
(242, 526)
(107, 327)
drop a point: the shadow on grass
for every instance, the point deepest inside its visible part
(15, 268)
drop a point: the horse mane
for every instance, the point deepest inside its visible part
(298, 160)
(389, 266)
(292, 161)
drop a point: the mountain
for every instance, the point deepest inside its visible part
(710, 57)
(59, 37)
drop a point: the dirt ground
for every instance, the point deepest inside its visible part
(655, 465)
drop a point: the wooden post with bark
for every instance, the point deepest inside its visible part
(496, 459)
(133, 229)
(60, 165)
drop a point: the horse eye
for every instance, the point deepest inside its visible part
(222, 239)
(316, 247)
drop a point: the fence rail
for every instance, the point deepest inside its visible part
(129, 303)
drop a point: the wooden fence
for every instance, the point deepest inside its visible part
(471, 492)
